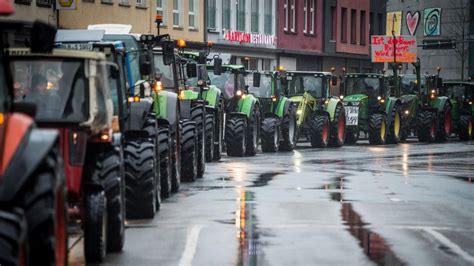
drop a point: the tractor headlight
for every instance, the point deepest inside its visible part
(407, 112)
(299, 112)
(239, 93)
(341, 97)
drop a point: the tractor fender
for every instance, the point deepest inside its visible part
(392, 102)
(138, 113)
(190, 95)
(212, 95)
(32, 150)
(331, 107)
(165, 106)
(246, 105)
(283, 107)
(439, 103)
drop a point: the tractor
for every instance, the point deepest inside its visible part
(321, 118)
(425, 111)
(33, 210)
(278, 128)
(72, 95)
(461, 95)
(242, 110)
(372, 108)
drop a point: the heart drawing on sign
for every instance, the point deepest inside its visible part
(412, 21)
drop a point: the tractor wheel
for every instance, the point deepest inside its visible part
(352, 135)
(465, 127)
(210, 137)
(198, 115)
(164, 149)
(377, 129)
(219, 132)
(12, 230)
(151, 126)
(189, 140)
(319, 129)
(338, 127)
(288, 130)
(95, 226)
(108, 170)
(444, 123)
(269, 134)
(175, 163)
(45, 206)
(140, 179)
(235, 139)
(253, 132)
(426, 126)
(395, 131)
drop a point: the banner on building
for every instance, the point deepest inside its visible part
(252, 38)
(66, 4)
(394, 23)
(432, 20)
(383, 49)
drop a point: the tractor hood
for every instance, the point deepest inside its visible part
(296, 99)
(355, 98)
(407, 98)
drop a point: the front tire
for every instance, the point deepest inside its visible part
(394, 134)
(444, 123)
(198, 116)
(319, 129)
(253, 132)
(164, 150)
(426, 126)
(338, 127)
(465, 127)
(188, 151)
(269, 134)
(95, 226)
(210, 137)
(235, 138)
(377, 129)
(288, 130)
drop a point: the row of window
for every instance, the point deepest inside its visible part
(240, 15)
(362, 25)
(45, 3)
(309, 16)
(177, 19)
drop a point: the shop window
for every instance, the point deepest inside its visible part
(177, 6)
(211, 11)
(192, 14)
(353, 26)
(255, 16)
(226, 14)
(362, 27)
(268, 21)
(241, 15)
(141, 3)
(344, 25)
(161, 10)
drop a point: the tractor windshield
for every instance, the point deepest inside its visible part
(132, 57)
(265, 89)
(57, 87)
(163, 72)
(299, 84)
(408, 84)
(369, 86)
(457, 91)
(226, 82)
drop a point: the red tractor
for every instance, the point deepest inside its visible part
(33, 214)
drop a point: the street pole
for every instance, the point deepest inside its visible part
(395, 68)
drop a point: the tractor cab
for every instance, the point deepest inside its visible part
(461, 96)
(366, 89)
(312, 87)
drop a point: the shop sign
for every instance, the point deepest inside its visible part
(383, 49)
(252, 38)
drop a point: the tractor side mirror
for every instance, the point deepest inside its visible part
(334, 80)
(42, 37)
(256, 79)
(168, 52)
(217, 66)
(191, 70)
(145, 65)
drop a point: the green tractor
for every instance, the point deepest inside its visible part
(426, 112)
(320, 117)
(371, 108)
(278, 128)
(461, 94)
(242, 110)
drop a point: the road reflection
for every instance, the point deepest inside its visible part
(247, 231)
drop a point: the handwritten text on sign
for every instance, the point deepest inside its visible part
(383, 49)
(245, 37)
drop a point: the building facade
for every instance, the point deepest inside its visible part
(182, 19)
(31, 10)
(245, 29)
(433, 21)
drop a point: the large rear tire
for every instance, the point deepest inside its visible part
(175, 162)
(288, 130)
(378, 129)
(189, 140)
(210, 137)
(108, 170)
(95, 226)
(338, 127)
(198, 116)
(444, 123)
(164, 150)
(235, 138)
(140, 179)
(465, 127)
(219, 131)
(12, 231)
(426, 126)
(319, 130)
(394, 133)
(253, 132)
(269, 134)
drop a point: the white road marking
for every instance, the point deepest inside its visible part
(448, 243)
(191, 244)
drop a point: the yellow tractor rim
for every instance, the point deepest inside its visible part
(396, 125)
(382, 130)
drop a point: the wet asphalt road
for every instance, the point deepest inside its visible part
(408, 204)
